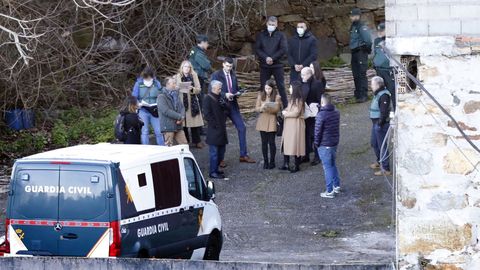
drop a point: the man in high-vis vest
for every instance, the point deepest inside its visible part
(380, 113)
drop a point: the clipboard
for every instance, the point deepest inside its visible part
(185, 87)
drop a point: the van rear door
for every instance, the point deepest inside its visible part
(33, 209)
(83, 211)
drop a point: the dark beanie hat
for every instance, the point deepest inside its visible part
(356, 11)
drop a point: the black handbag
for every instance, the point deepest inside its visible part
(279, 125)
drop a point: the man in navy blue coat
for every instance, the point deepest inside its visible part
(327, 137)
(230, 90)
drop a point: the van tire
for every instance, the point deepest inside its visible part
(143, 253)
(212, 251)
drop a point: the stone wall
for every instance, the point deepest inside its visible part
(328, 20)
(437, 171)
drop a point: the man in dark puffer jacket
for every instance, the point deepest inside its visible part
(327, 137)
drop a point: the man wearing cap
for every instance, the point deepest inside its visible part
(382, 63)
(361, 46)
(200, 62)
(270, 47)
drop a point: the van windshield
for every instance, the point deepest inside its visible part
(36, 194)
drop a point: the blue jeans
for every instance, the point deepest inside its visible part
(217, 154)
(148, 120)
(237, 120)
(378, 135)
(328, 156)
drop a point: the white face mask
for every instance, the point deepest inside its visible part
(300, 31)
(271, 28)
(148, 83)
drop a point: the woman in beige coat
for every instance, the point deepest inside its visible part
(293, 138)
(268, 105)
(190, 90)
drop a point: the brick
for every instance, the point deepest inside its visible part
(444, 27)
(433, 12)
(465, 11)
(409, 28)
(471, 27)
(401, 13)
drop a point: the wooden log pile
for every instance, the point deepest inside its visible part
(339, 84)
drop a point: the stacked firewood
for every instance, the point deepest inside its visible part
(339, 84)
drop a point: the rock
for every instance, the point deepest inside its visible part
(370, 4)
(462, 125)
(327, 48)
(240, 33)
(290, 18)
(342, 29)
(277, 7)
(346, 57)
(471, 106)
(447, 201)
(321, 29)
(456, 162)
(409, 202)
(247, 49)
(369, 19)
(436, 139)
(418, 162)
(234, 46)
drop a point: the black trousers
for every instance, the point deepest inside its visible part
(279, 75)
(359, 71)
(309, 137)
(195, 134)
(389, 79)
(268, 141)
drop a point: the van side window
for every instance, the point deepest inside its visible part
(166, 184)
(196, 186)
(142, 180)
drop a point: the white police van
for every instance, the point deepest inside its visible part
(112, 200)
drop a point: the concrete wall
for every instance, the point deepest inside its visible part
(53, 263)
(438, 176)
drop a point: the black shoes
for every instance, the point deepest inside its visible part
(217, 175)
(285, 167)
(295, 169)
(271, 165)
(361, 100)
(315, 162)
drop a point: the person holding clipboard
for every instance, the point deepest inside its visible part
(190, 90)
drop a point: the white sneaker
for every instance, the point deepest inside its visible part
(336, 189)
(329, 195)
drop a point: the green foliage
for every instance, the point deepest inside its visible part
(70, 128)
(334, 62)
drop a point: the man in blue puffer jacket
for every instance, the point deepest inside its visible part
(327, 137)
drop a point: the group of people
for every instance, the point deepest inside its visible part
(306, 120)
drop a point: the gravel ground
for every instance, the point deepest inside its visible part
(276, 216)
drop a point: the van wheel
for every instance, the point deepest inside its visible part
(212, 251)
(143, 254)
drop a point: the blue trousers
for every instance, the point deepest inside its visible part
(378, 135)
(149, 120)
(237, 120)
(217, 154)
(328, 156)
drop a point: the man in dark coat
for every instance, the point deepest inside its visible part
(200, 62)
(230, 90)
(215, 110)
(360, 46)
(382, 63)
(327, 137)
(312, 91)
(270, 47)
(302, 50)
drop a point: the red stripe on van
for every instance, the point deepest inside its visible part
(63, 223)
